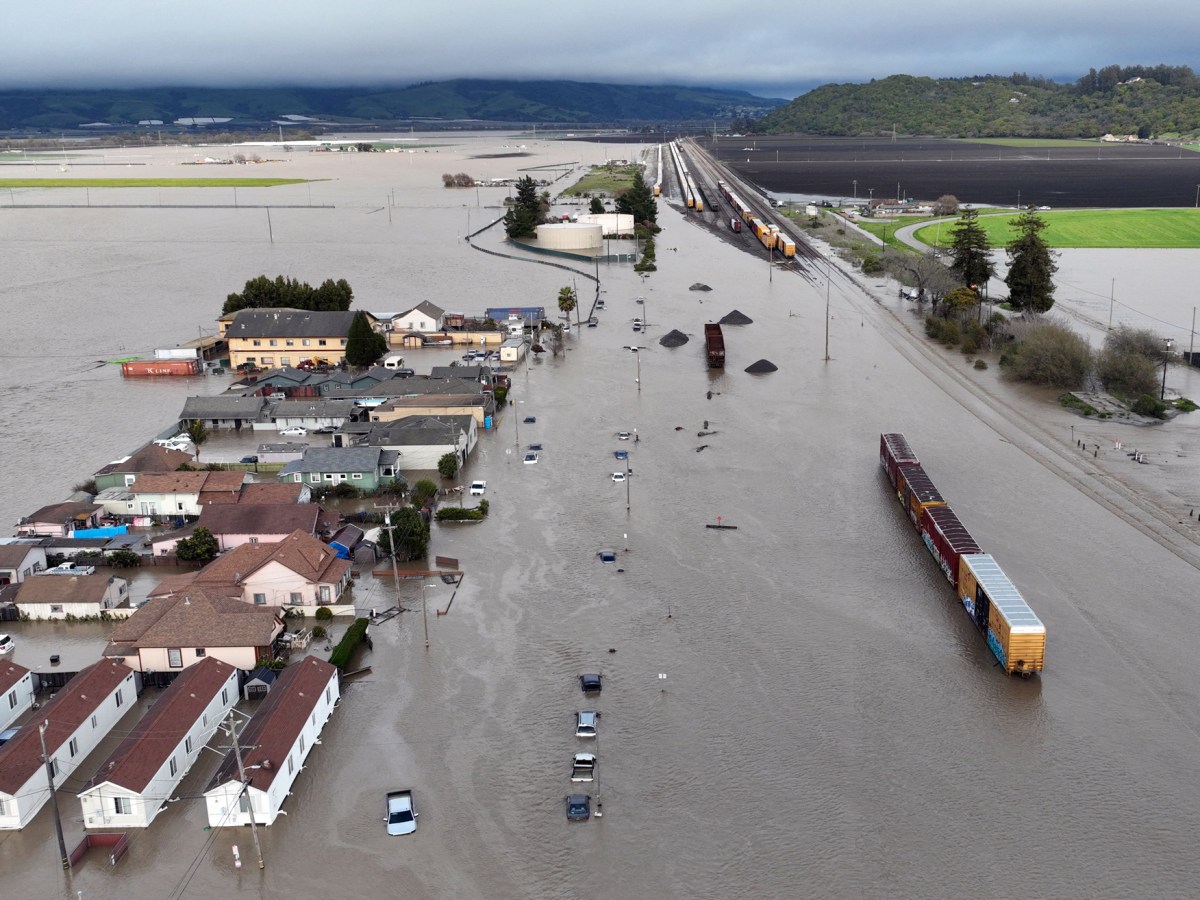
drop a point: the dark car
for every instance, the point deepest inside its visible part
(590, 683)
(608, 556)
(535, 448)
(249, 459)
(579, 807)
(529, 420)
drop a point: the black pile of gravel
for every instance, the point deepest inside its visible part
(737, 317)
(762, 367)
(698, 286)
(673, 339)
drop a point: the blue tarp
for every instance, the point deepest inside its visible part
(100, 532)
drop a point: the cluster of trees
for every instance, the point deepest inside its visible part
(364, 345)
(262, 292)
(638, 201)
(462, 179)
(1143, 100)
(528, 210)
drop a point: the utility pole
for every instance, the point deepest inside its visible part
(62, 844)
(828, 273)
(237, 754)
(390, 527)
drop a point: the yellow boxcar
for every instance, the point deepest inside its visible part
(786, 245)
(1013, 631)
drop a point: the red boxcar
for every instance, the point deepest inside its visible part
(893, 453)
(947, 539)
(917, 492)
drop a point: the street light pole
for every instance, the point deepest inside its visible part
(1167, 342)
(424, 614)
(637, 352)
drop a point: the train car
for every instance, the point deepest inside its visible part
(735, 225)
(894, 452)
(917, 492)
(786, 246)
(947, 539)
(759, 227)
(1013, 631)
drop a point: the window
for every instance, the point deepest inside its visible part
(260, 599)
(12, 699)
(297, 599)
(306, 342)
(120, 700)
(200, 651)
(3, 807)
(297, 478)
(291, 767)
(55, 608)
(329, 476)
(73, 747)
(324, 593)
(174, 657)
(205, 719)
(257, 343)
(122, 806)
(254, 540)
(130, 479)
(289, 342)
(187, 744)
(174, 766)
(357, 476)
(268, 360)
(93, 721)
(54, 768)
(244, 802)
(315, 478)
(274, 343)
(301, 743)
(321, 342)
(225, 695)
(285, 360)
(180, 507)
(328, 694)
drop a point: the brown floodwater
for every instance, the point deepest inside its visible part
(797, 707)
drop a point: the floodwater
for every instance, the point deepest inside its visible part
(795, 708)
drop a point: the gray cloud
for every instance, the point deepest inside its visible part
(777, 50)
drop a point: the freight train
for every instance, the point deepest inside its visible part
(772, 239)
(1012, 630)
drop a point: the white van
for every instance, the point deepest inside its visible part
(395, 361)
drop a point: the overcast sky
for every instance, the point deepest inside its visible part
(775, 49)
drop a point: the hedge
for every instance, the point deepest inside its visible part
(349, 642)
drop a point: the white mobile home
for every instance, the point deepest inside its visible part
(76, 720)
(131, 786)
(282, 734)
(16, 692)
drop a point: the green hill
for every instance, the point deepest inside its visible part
(1157, 101)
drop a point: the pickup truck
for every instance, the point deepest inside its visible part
(584, 767)
(70, 569)
(401, 818)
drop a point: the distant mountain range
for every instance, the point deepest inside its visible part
(462, 100)
(1147, 101)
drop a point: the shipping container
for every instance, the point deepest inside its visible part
(947, 539)
(1014, 633)
(917, 492)
(895, 452)
(177, 367)
(714, 344)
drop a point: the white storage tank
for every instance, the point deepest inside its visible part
(570, 236)
(610, 223)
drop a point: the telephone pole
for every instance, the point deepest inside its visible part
(62, 844)
(237, 754)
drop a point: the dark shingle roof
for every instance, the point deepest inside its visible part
(223, 406)
(284, 323)
(150, 458)
(260, 518)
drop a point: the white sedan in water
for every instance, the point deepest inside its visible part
(294, 431)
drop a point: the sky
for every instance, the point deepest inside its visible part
(772, 50)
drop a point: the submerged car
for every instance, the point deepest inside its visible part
(590, 683)
(294, 431)
(248, 459)
(579, 807)
(530, 458)
(623, 435)
(7, 644)
(621, 454)
(586, 722)
(608, 556)
(618, 477)
(401, 817)
(478, 488)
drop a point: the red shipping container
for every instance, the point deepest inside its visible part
(161, 367)
(893, 453)
(947, 539)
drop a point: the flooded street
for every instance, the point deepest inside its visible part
(795, 708)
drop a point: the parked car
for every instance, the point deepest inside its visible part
(618, 477)
(249, 459)
(621, 454)
(7, 644)
(477, 488)
(586, 722)
(608, 556)
(529, 420)
(294, 431)
(623, 435)
(325, 429)
(401, 817)
(531, 458)
(579, 807)
(583, 767)
(536, 448)
(590, 683)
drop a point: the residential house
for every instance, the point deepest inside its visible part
(61, 519)
(169, 634)
(422, 318)
(282, 452)
(255, 492)
(280, 735)
(76, 719)
(79, 596)
(312, 414)
(340, 383)
(287, 337)
(16, 692)
(221, 411)
(261, 523)
(151, 459)
(185, 494)
(480, 375)
(482, 406)
(298, 572)
(132, 786)
(366, 468)
(118, 502)
(423, 440)
(19, 560)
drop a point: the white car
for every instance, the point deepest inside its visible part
(477, 488)
(7, 644)
(618, 476)
(401, 817)
(531, 458)
(294, 431)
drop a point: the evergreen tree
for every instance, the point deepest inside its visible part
(262, 292)
(638, 201)
(1031, 265)
(411, 535)
(522, 220)
(200, 547)
(971, 252)
(364, 345)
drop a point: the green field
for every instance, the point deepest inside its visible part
(604, 179)
(1032, 142)
(1141, 229)
(146, 182)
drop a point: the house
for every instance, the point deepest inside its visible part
(274, 492)
(118, 502)
(169, 634)
(78, 717)
(481, 375)
(481, 405)
(279, 737)
(185, 494)
(312, 414)
(151, 459)
(366, 468)
(223, 411)
(132, 786)
(16, 692)
(260, 523)
(287, 337)
(298, 572)
(19, 560)
(346, 540)
(423, 440)
(423, 318)
(61, 519)
(78, 596)
(283, 452)
(258, 684)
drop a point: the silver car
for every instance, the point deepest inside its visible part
(586, 722)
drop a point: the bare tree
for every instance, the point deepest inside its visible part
(926, 272)
(947, 205)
